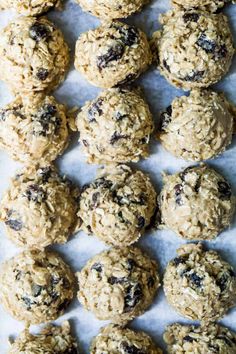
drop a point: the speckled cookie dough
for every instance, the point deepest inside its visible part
(33, 55)
(29, 7)
(36, 286)
(33, 128)
(208, 5)
(197, 127)
(113, 54)
(211, 339)
(111, 9)
(118, 284)
(118, 205)
(195, 48)
(115, 127)
(199, 284)
(196, 203)
(51, 340)
(39, 208)
(119, 340)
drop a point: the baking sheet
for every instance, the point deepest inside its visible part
(161, 245)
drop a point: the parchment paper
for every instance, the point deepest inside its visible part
(160, 244)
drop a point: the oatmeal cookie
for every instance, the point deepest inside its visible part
(118, 284)
(36, 286)
(206, 5)
(199, 284)
(115, 127)
(118, 205)
(30, 7)
(113, 54)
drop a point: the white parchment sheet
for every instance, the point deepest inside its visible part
(161, 245)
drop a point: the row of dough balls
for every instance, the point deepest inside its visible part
(116, 127)
(118, 284)
(34, 56)
(105, 9)
(180, 339)
(41, 208)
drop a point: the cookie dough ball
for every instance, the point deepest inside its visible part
(33, 55)
(115, 127)
(33, 128)
(110, 9)
(36, 286)
(29, 7)
(195, 48)
(118, 205)
(199, 284)
(118, 340)
(207, 5)
(39, 208)
(113, 54)
(118, 284)
(196, 203)
(51, 340)
(203, 340)
(197, 127)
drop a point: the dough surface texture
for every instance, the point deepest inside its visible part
(39, 208)
(197, 127)
(115, 127)
(206, 5)
(33, 55)
(118, 205)
(111, 9)
(119, 340)
(36, 286)
(194, 48)
(113, 54)
(118, 284)
(51, 340)
(33, 129)
(203, 340)
(196, 203)
(199, 284)
(29, 7)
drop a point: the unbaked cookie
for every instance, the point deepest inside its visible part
(33, 55)
(36, 286)
(33, 128)
(118, 284)
(197, 127)
(196, 203)
(39, 208)
(194, 48)
(115, 127)
(111, 9)
(113, 54)
(51, 340)
(120, 340)
(199, 284)
(118, 205)
(211, 339)
(209, 5)
(30, 7)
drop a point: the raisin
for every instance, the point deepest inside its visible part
(131, 264)
(36, 290)
(113, 54)
(102, 182)
(188, 339)
(178, 194)
(42, 74)
(206, 44)
(197, 185)
(35, 193)
(194, 76)
(221, 52)
(45, 174)
(3, 114)
(95, 109)
(166, 66)
(183, 174)
(191, 17)
(63, 305)
(13, 223)
(28, 302)
(95, 199)
(133, 296)
(97, 267)
(141, 222)
(116, 137)
(224, 190)
(195, 279)
(165, 118)
(150, 282)
(131, 349)
(130, 35)
(114, 280)
(178, 260)
(47, 117)
(127, 79)
(38, 31)
(54, 280)
(224, 279)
